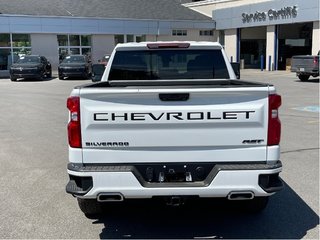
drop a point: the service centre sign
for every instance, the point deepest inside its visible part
(271, 14)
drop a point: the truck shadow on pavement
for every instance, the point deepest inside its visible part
(287, 216)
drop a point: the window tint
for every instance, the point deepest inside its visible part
(168, 64)
(74, 59)
(29, 59)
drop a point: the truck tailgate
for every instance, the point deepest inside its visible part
(174, 125)
(303, 63)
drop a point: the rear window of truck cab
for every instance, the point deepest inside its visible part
(168, 64)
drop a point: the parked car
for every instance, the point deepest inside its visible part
(305, 66)
(105, 59)
(31, 66)
(75, 66)
(97, 72)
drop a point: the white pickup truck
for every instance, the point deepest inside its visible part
(170, 119)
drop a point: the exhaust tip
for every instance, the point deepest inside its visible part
(245, 195)
(110, 197)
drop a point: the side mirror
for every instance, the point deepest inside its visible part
(97, 72)
(236, 69)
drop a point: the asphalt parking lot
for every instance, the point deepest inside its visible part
(33, 159)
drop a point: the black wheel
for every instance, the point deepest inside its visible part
(304, 78)
(60, 75)
(90, 207)
(49, 75)
(13, 79)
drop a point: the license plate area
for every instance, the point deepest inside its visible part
(174, 173)
(175, 177)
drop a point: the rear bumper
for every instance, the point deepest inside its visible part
(27, 75)
(88, 181)
(72, 73)
(312, 72)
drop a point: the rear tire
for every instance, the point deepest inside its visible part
(90, 207)
(50, 74)
(13, 79)
(86, 76)
(304, 78)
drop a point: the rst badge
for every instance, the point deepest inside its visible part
(253, 141)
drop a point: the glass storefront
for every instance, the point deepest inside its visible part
(5, 40)
(253, 42)
(13, 46)
(5, 56)
(294, 39)
(251, 52)
(74, 45)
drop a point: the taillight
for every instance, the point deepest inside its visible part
(74, 127)
(315, 61)
(274, 126)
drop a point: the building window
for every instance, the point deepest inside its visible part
(62, 40)
(179, 32)
(118, 39)
(85, 40)
(74, 45)
(140, 38)
(21, 40)
(74, 40)
(13, 46)
(5, 40)
(129, 38)
(206, 32)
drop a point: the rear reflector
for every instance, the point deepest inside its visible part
(167, 45)
(315, 61)
(74, 127)
(274, 126)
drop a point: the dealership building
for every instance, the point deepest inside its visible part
(54, 28)
(254, 32)
(264, 32)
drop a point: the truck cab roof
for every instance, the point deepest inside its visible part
(167, 44)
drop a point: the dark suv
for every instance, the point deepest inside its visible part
(75, 66)
(31, 66)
